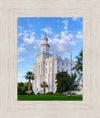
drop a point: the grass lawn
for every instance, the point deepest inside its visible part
(50, 97)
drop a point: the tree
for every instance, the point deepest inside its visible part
(66, 82)
(73, 82)
(62, 81)
(44, 85)
(29, 76)
(22, 88)
(79, 64)
(79, 67)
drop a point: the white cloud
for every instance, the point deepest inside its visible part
(47, 30)
(21, 48)
(19, 60)
(75, 18)
(29, 25)
(27, 54)
(79, 35)
(42, 36)
(66, 36)
(62, 44)
(29, 38)
(20, 34)
(72, 43)
(57, 35)
(66, 25)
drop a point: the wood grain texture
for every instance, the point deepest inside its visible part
(10, 10)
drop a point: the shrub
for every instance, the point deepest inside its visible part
(32, 93)
(57, 94)
(49, 93)
(73, 94)
(22, 93)
(38, 93)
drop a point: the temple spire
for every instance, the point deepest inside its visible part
(45, 37)
(45, 34)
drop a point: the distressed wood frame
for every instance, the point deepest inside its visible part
(10, 10)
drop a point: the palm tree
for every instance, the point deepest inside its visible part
(44, 85)
(29, 76)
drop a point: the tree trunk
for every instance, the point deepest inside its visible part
(29, 86)
(44, 90)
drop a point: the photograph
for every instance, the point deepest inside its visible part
(50, 58)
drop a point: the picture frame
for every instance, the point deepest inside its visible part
(9, 12)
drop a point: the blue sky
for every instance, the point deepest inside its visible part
(65, 36)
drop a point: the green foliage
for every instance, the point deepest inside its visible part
(38, 93)
(62, 83)
(29, 75)
(79, 63)
(22, 88)
(79, 67)
(66, 82)
(32, 93)
(49, 93)
(44, 84)
(57, 93)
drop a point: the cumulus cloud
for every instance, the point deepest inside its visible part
(20, 34)
(21, 48)
(47, 30)
(60, 46)
(24, 55)
(66, 24)
(79, 35)
(63, 42)
(28, 45)
(29, 38)
(72, 42)
(59, 43)
(19, 60)
(75, 18)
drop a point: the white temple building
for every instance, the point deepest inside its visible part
(46, 67)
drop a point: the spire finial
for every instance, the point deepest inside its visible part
(45, 34)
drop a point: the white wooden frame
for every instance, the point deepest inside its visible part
(9, 106)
